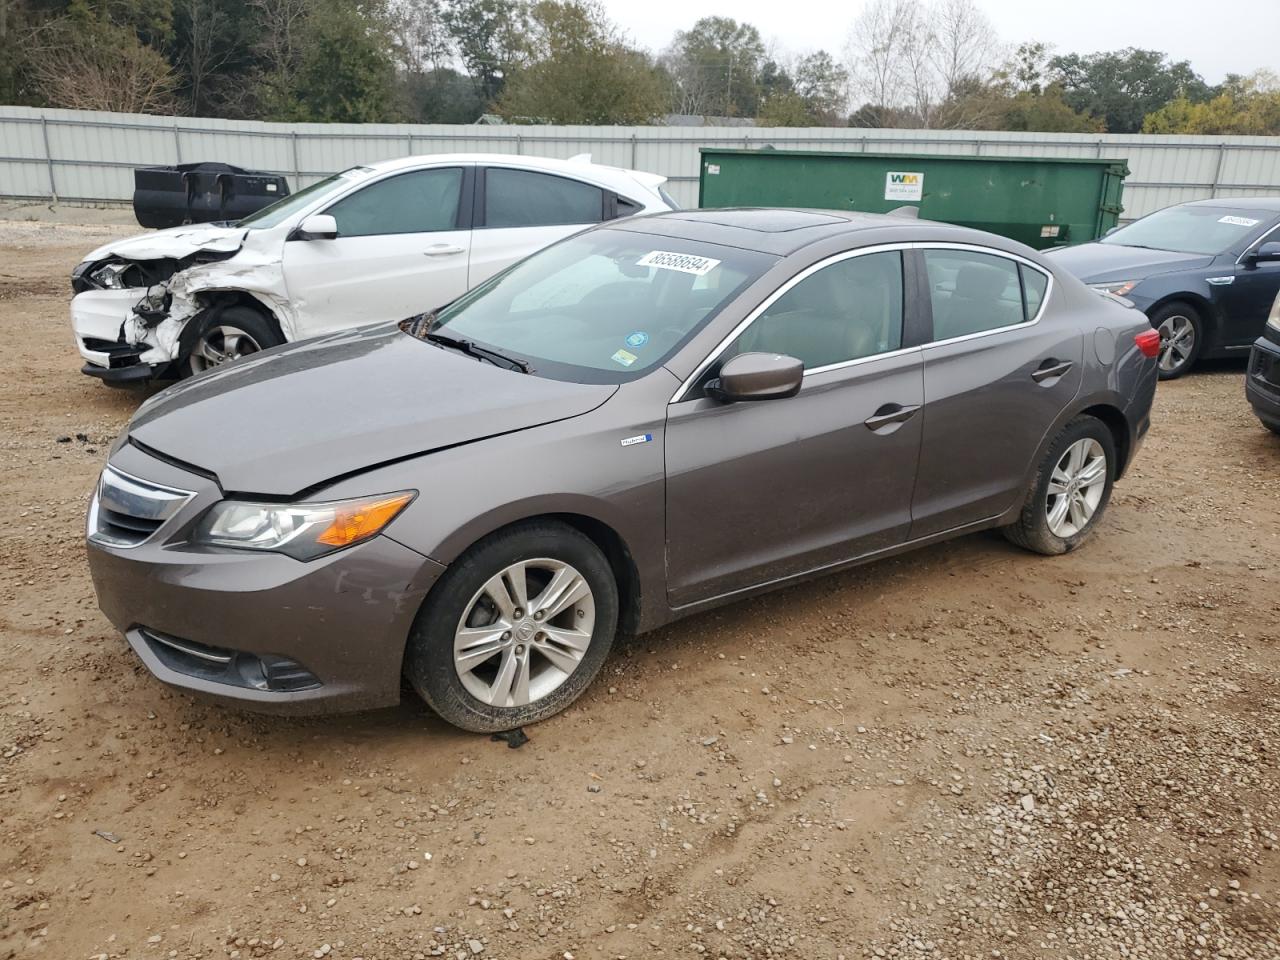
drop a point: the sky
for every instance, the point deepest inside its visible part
(1218, 38)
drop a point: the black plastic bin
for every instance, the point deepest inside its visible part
(201, 193)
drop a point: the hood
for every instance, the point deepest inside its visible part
(176, 242)
(1099, 262)
(309, 412)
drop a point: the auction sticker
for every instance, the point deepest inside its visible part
(1239, 221)
(624, 357)
(683, 262)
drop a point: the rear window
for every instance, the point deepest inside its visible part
(1034, 286)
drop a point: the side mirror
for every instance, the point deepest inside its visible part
(1265, 253)
(318, 226)
(757, 376)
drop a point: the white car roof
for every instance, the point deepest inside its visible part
(581, 167)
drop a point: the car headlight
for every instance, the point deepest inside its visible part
(303, 531)
(110, 276)
(1120, 288)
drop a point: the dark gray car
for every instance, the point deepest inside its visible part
(643, 421)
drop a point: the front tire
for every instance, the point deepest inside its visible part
(1181, 338)
(516, 629)
(1070, 490)
(221, 336)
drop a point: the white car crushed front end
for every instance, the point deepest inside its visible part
(134, 298)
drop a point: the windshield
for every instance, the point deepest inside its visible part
(604, 306)
(1192, 229)
(280, 211)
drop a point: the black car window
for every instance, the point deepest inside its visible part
(423, 201)
(972, 292)
(847, 310)
(521, 198)
(628, 208)
(1034, 285)
(1193, 228)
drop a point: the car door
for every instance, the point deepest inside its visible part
(401, 249)
(760, 491)
(1247, 297)
(997, 374)
(519, 212)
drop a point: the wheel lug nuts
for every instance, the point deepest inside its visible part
(520, 648)
(506, 635)
(519, 613)
(538, 615)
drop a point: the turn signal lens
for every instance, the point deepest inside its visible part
(1148, 342)
(354, 522)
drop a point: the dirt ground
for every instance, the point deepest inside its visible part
(965, 752)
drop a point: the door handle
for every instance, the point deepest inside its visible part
(1050, 370)
(889, 418)
(442, 250)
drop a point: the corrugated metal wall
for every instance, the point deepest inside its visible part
(89, 156)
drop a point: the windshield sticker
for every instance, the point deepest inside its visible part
(637, 339)
(683, 262)
(1239, 221)
(624, 357)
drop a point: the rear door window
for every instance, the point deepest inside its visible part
(523, 198)
(973, 292)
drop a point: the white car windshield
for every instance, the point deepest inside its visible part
(1192, 229)
(604, 306)
(280, 211)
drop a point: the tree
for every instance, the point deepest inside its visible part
(281, 28)
(213, 52)
(580, 70)
(346, 72)
(910, 58)
(86, 62)
(1244, 105)
(490, 37)
(1123, 86)
(715, 68)
(823, 87)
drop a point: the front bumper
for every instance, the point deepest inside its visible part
(97, 321)
(1262, 382)
(260, 629)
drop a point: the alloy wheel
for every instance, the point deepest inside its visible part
(524, 632)
(221, 344)
(1076, 487)
(1177, 342)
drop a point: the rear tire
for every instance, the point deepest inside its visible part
(216, 337)
(516, 629)
(1182, 332)
(1070, 491)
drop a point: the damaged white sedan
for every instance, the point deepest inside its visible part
(378, 242)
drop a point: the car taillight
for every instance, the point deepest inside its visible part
(1148, 342)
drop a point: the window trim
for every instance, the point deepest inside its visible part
(908, 306)
(767, 302)
(461, 219)
(925, 247)
(480, 218)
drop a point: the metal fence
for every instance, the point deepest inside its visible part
(86, 156)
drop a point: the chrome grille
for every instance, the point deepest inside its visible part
(126, 510)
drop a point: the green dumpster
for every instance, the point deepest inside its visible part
(1040, 201)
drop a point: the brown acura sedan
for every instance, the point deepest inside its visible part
(645, 420)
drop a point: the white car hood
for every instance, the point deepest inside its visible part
(176, 242)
